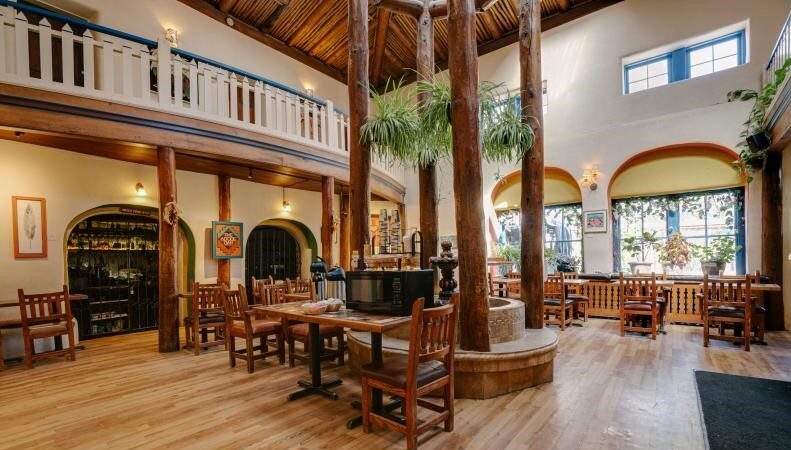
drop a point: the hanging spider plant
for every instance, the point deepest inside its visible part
(393, 131)
(506, 137)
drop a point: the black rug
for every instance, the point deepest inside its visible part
(745, 413)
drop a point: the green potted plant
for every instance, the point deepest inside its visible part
(638, 247)
(550, 261)
(714, 257)
(755, 138)
(674, 255)
(510, 253)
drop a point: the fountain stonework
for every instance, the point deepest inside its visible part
(518, 359)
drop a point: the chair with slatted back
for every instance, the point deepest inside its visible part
(427, 368)
(255, 285)
(581, 301)
(242, 322)
(46, 316)
(496, 290)
(638, 298)
(556, 303)
(727, 301)
(758, 314)
(206, 313)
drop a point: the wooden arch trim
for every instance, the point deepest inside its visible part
(639, 157)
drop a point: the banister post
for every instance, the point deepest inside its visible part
(332, 126)
(163, 72)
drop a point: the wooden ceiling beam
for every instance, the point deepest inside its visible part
(409, 7)
(439, 8)
(380, 41)
(226, 5)
(267, 39)
(281, 6)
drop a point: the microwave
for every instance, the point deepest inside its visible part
(389, 292)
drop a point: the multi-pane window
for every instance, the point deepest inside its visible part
(684, 63)
(699, 217)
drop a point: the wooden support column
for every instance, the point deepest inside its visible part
(224, 265)
(771, 251)
(327, 218)
(467, 175)
(168, 318)
(359, 153)
(427, 176)
(532, 259)
(346, 254)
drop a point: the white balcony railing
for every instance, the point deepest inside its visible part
(45, 50)
(780, 53)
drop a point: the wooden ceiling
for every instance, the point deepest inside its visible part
(315, 31)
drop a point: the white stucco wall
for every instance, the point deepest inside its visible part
(590, 121)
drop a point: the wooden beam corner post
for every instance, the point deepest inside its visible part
(168, 318)
(327, 218)
(224, 265)
(345, 245)
(532, 258)
(359, 153)
(772, 230)
(467, 176)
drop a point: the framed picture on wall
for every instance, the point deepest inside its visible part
(226, 238)
(30, 227)
(594, 221)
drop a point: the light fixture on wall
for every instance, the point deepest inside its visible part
(309, 91)
(250, 174)
(229, 21)
(286, 204)
(172, 36)
(140, 190)
(590, 177)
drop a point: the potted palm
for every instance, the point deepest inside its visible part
(674, 255)
(638, 248)
(714, 257)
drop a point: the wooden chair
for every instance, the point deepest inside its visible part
(556, 303)
(638, 297)
(496, 290)
(513, 289)
(426, 368)
(299, 286)
(727, 301)
(581, 301)
(46, 316)
(255, 285)
(241, 322)
(207, 313)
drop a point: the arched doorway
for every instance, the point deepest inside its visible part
(281, 248)
(111, 254)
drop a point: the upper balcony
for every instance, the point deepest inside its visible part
(92, 72)
(779, 113)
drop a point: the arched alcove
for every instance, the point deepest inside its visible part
(560, 188)
(303, 239)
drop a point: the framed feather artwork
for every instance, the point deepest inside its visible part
(30, 227)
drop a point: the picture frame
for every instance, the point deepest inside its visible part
(594, 221)
(29, 223)
(227, 240)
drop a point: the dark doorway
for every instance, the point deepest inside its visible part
(271, 251)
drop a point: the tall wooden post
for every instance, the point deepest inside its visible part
(359, 153)
(346, 254)
(772, 253)
(467, 175)
(532, 259)
(327, 218)
(168, 318)
(224, 265)
(427, 176)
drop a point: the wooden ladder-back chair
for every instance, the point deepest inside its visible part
(496, 291)
(581, 301)
(45, 316)
(242, 322)
(255, 285)
(427, 367)
(206, 313)
(727, 301)
(556, 303)
(638, 297)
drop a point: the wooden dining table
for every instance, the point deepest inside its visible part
(355, 320)
(15, 303)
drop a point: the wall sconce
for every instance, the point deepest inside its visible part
(590, 178)
(309, 91)
(172, 36)
(286, 204)
(140, 190)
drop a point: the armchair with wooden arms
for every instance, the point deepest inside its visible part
(46, 316)
(556, 303)
(428, 367)
(727, 301)
(206, 313)
(242, 322)
(638, 297)
(581, 301)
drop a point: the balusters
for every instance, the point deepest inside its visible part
(233, 87)
(2, 40)
(87, 60)
(145, 75)
(163, 72)
(245, 101)
(21, 47)
(178, 83)
(107, 76)
(315, 121)
(193, 86)
(126, 73)
(222, 94)
(305, 111)
(290, 114)
(67, 50)
(45, 49)
(257, 107)
(269, 121)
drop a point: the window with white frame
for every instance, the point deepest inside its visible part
(691, 61)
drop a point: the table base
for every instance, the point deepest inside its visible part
(321, 389)
(384, 412)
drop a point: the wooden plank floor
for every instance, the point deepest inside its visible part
(609, 392)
